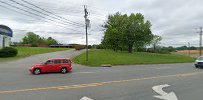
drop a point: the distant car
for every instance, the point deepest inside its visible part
(62, 65)
(199, 62)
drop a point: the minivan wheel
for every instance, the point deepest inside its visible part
(37, 71)
(64, 70)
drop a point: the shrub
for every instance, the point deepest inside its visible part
(8, 52)
(89, 47)
(159, 50)
(150, 50)
(140, 49)
(164, 52)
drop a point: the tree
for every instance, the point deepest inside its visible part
(51, 41)
(113, 38)
(193, 48)
(156, 40)
(127, 31)
(138, 32)
(171, 49)
(182, 48)
(31, 38)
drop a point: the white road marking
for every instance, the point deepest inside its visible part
(85, 98)
(163, 95)
(99, 83)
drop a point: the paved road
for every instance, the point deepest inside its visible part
(116, 83)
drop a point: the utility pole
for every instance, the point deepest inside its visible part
(189, 48)
(87, 22)
(200, 42)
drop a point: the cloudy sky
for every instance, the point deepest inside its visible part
(175, 20)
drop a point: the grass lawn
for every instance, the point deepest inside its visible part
(28, 51)
(99, 57)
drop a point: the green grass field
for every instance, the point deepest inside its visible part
(28, 51)
(100, 57)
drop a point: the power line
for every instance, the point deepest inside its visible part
(38, 11)
(77, 12)
(15, 10)
(100, 9)
(70, 22)
(96, 17)
(66, 10)
(51, 32)
(19, 19)
(34, 19)
(48, 32)
(34, 14)
(95, 11)
(37, 15)
(28, 15)
(43, 13)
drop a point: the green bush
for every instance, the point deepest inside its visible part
(8, 52)
(159, 50)
(164, 52)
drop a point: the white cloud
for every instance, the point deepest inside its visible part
(173, 20)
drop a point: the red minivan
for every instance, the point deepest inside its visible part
(62, 65)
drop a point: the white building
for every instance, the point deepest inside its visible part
(5, 36)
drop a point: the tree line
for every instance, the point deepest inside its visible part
(35, 40)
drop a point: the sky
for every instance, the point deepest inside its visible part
(176, 21)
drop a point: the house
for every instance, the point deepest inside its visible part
(5, 36)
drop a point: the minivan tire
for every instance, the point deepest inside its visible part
(64, 70)
(37, 71)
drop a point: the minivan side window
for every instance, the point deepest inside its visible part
(57, 61)
(49, 62)
(65, 61)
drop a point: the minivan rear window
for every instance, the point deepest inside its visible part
(65, 61)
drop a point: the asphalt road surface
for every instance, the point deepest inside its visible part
(134, 82)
